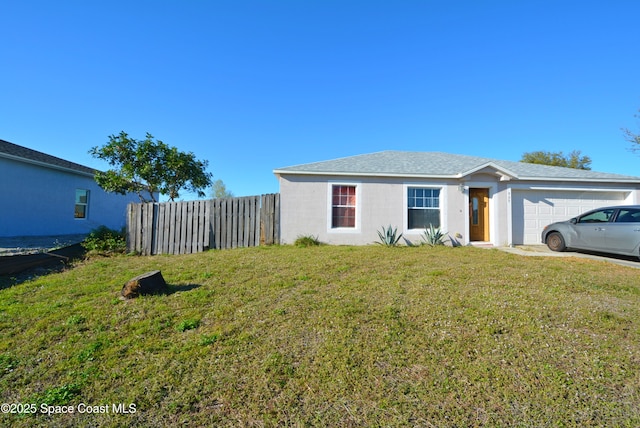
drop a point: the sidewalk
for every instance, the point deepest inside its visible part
(533, 250)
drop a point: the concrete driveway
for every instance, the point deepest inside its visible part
(543, 250)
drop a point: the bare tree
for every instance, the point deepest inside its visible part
(572, 160)
(634, 139)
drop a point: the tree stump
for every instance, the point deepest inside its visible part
(147, 283)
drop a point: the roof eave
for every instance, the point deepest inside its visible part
(48, 165)
(501, 171)
(362, 174)
(583, 180)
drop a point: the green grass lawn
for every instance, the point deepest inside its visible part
(327, 336)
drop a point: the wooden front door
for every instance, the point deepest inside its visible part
(478, 214)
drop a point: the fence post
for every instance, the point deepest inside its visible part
(215, 224)
(276, 219)
(148, 229)
(131, 231)
(267, 217)
(207, 225)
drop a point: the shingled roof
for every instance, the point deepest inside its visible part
(444, 165)
(20, 153)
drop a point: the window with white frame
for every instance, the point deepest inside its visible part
(423, 207)
(82, 202)
(343, 206)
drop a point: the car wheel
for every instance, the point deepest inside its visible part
(555, 242)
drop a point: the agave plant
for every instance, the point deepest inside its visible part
(433, 236)
(389, 237)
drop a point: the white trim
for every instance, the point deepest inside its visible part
(493, 210)
(358, 186)
(572, 188)
(280, 172)
(499, 170)
(405, 205)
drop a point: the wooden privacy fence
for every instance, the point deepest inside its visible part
(195, 226)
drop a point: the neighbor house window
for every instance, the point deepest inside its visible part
(82, 202)
(343, 206)
(423, 207)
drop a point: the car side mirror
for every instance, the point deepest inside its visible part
(573, 220)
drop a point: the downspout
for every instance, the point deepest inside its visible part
(509, 218)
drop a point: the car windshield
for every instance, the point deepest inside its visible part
(600, 216)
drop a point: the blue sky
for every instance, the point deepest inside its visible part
(252, 86)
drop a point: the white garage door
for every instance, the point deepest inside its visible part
(534, 209)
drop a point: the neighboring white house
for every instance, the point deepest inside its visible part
(473, 199)
(43, 195)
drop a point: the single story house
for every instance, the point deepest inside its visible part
(45, 196)
(473, 199)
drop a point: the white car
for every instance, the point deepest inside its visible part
(613, 230)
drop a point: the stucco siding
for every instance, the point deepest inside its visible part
(303, 210)
(40, 201)
(381, 206)
(306, 211)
